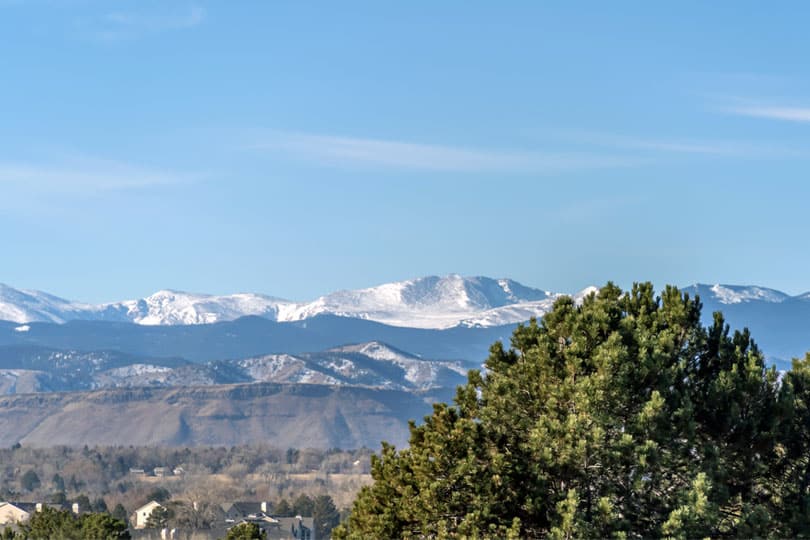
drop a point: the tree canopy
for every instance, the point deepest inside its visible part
(158, 518)
(246, 531)
(621, 417)
(52, 524)
(30, 481)
(325, 515)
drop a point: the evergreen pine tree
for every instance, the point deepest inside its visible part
(622, 416)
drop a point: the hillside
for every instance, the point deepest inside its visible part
(254, 336)
(295, 415)
(27, 369)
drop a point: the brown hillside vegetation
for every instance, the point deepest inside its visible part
(284, 415)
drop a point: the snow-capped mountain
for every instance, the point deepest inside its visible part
(433, 302)
(519, 312)
(780, 323)
(429, 302)
(737, 294)
(161, 308)
(175, 307)
(368, 364)
(418, 372)
(28, 306)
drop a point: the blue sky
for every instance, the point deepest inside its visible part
(294, 149)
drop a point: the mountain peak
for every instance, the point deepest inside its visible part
(426, 302)
(374, 349)
(736, 294)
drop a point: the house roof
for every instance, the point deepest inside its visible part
(32, 506)
(24, 506)
(285, 524)
(243, 508)
(151, 505)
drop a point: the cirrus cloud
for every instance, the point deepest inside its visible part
(81, 175)
(340, 150)
(791, 114)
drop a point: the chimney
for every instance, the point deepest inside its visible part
(264, 506)
(75, 508)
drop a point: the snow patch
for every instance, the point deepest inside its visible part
(735, 294)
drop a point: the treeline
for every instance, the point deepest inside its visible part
(100, 478)
(64, 525)
(622, 417)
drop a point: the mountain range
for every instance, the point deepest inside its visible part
(347, 369)
(428, 302)
(778, 321)
(33, 369)
(449, 318)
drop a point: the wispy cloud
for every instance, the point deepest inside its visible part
(715, 148)
(128, 24)
(791, 114)
(84, 175)
(336, 150)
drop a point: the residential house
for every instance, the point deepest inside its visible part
(302, 528)
(276, 528)
(16, 512)
(286, 528)
(141, 515)
(240, 511)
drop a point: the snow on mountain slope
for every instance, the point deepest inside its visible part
(174, 307)
(419, 373)
(373, 364)
(368, 364)
(21, 306)
(277, 368)
(509, 314)
(737, 294)
(162, 308)
(520, 312)
(429, 302)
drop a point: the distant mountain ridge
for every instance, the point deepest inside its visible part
(161, 308)
(737, 294)
(184, 369)
(450, 317)
(428, 302)
(254, 336)
(35, 369)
